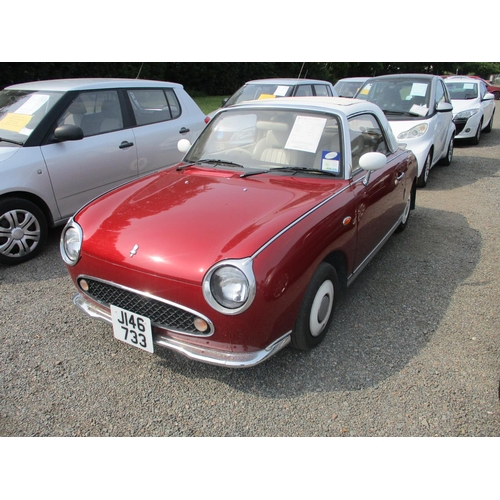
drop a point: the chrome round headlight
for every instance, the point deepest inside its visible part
(229, 287)
(71, 243)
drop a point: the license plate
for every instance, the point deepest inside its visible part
(132, 328)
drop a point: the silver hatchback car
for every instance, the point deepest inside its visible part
(65, 142)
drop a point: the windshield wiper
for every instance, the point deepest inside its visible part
(388, 112)
(210, 161)
(217, 162)
(19, 143)
(290, 169)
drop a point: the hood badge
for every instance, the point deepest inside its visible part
(134, 250)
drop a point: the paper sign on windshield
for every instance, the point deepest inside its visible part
(14, 122)
(33, 104)
(281, 91)
(306, 133)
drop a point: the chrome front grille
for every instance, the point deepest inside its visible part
(162, 314)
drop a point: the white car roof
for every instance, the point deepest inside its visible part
(467, 79)
(342, 105)
(65, 85)
(285, 81)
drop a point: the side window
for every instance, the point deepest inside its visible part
(366, 136)
(440, 93)
(95, 112)
(154, 105)
(322, 90)
(303, 91)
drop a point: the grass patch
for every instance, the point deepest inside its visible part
(209, 103)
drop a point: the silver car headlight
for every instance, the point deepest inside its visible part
(229, 286)
(465, 115)
(71, 243)
(414, 132)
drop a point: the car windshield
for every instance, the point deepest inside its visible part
(462, 90)
(21, 111)
(267, 139)
(253, 91)
(347, 89)
(405, 97)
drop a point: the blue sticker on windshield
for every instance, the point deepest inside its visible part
(330, 161)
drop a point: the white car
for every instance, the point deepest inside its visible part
(419, 109)
(272, 88)
(473, 107)
(64, 142)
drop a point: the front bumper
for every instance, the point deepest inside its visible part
(211, 356)
(467, 128)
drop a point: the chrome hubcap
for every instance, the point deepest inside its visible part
(321, 308)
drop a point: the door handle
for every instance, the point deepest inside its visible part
(125, 145)
(400, 176)
(183, 130)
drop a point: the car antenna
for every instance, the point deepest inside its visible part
(140, 69)
(302, 67)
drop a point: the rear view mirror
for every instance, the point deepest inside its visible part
(68, 133)
(183, 145)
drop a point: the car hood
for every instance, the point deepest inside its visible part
(7, 152)
(183, 222)
(464, 104)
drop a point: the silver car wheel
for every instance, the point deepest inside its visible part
(23, 230)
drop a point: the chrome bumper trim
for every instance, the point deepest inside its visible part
(198, 353)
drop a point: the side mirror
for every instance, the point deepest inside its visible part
(68, 133)
(183, 145)
(370, 162)
(443, 107)
(224, 101)
(488, 96)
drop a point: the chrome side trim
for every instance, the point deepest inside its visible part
(296, 221)
(197, 353)
(372, 254)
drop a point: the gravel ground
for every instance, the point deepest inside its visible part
(413, 350)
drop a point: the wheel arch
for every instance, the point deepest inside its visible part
(33, 198)
(339, 261)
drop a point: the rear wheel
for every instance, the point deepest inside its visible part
(23, 230)
(316, 311)
(406, 215)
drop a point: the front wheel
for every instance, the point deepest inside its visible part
(424, 175)
(475, 139)
(316, 312)
(490, 123)
(23, 230)
(446, 161)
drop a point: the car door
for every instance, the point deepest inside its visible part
(160, 122)
(381, 200)
(106, 157)
(440, 122)
(487, 105)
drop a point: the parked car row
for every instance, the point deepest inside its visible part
(223, 238)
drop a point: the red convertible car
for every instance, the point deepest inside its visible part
(245, 246)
